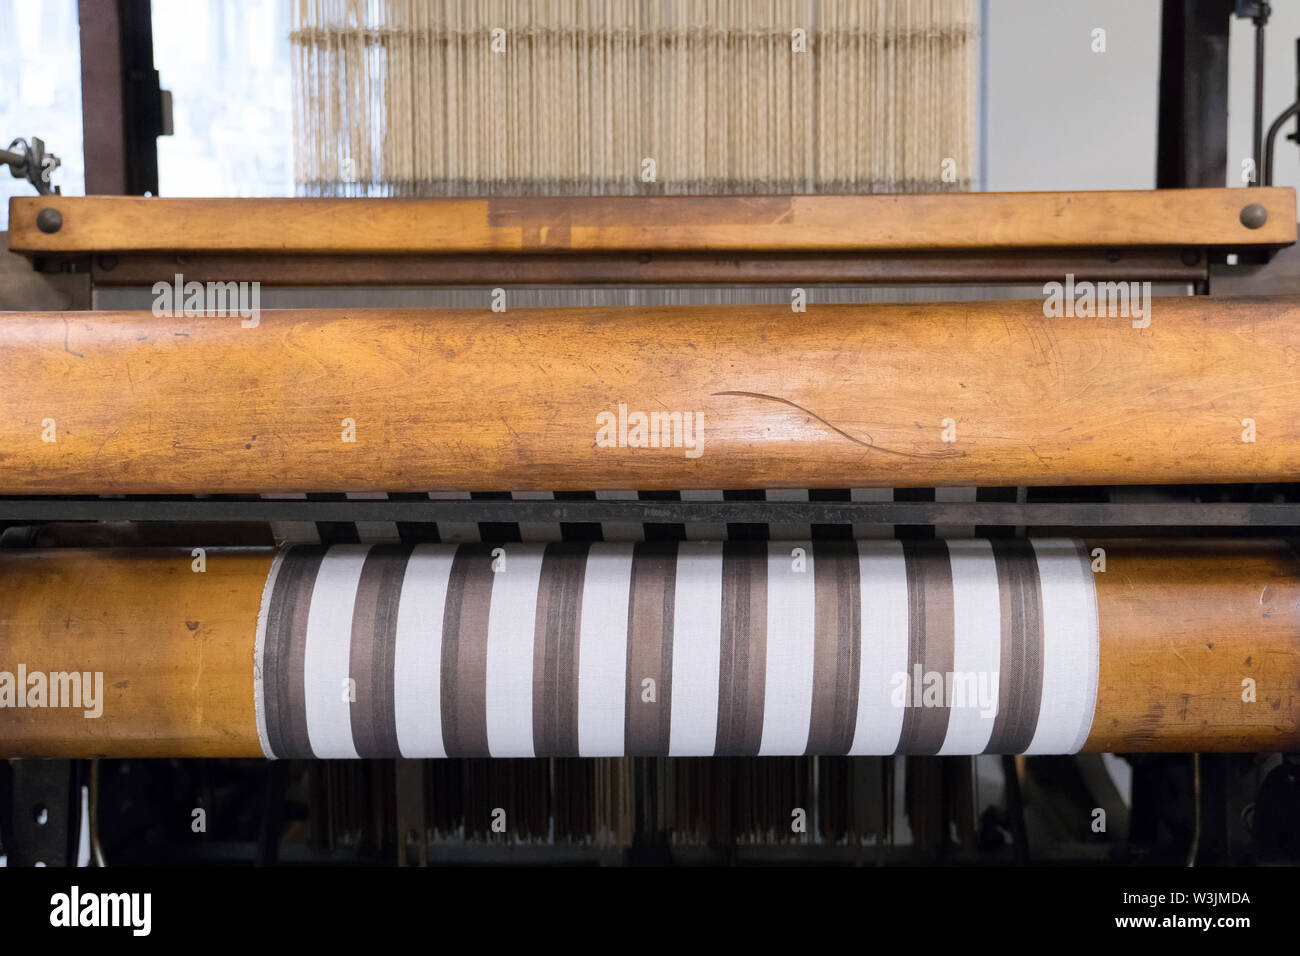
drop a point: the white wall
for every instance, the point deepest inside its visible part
(1056, 114)
(40, 90)
(1279, 90)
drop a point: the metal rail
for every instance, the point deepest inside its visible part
(1034, 514)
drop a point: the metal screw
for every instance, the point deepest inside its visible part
(1254, 216)
(49, 220)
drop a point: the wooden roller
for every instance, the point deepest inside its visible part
(1191, 646)
(649, 398)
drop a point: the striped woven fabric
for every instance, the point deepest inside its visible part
(678, 648)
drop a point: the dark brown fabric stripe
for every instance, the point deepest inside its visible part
(650, 647)
(930, 640)
(837, 630)
(555, 650)
(464, 652)
(284, 695)
(742, 674)
(1020, 681)
(373, 648)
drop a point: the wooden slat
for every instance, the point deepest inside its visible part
(843, 396)
(1182, 625)
(1199, 217)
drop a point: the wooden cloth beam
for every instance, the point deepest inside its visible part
(1001, 645)
(842, 396)
(1175, 217)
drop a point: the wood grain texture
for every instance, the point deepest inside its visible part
(1183, 623)
(840, 397)
(1177, 217)
(175, 648)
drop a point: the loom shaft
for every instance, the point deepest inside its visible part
(648, 398)
(1194, 648)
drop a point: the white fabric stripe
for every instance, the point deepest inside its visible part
(602, 650)
(327, 666)
(259, 654)
(620, 530)
(704, 531)
(1070, 648)
(788, 531)
(883, 579)
(538, 530)
(788, 686)
(872, 530)
(954, 530)
(373, 531)
(512, 624)
(455, 532)
(697, 650)
(417, 657)
(977, 647)
(292, 532)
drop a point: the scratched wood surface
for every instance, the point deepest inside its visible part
(175, 648)
(1174, 217)
(842, 396)
(1182, 624)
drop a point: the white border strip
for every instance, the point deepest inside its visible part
(1070, 648)
(791, 643)
(327, 662)
(882, 571)
(417, 656)
(697, 650)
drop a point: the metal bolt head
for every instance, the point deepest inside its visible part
(1254, 216)
(49, 220)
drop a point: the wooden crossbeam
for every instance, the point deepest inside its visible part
(945, 221)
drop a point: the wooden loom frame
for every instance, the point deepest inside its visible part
(986, 237)
(1154, 235)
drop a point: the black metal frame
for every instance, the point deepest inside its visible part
(1171, 514)
(1192, 138)
(124, 108)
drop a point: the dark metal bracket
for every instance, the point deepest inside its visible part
(31, 162)
(44, 819)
